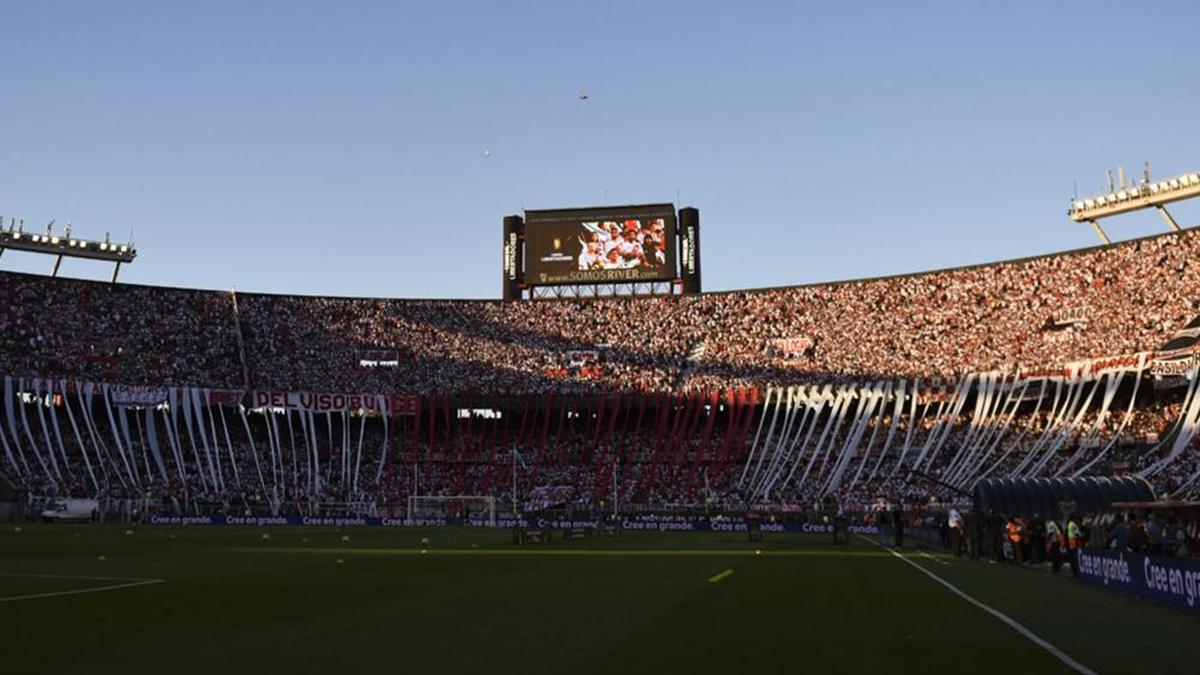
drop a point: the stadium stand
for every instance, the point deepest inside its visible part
(202, 399)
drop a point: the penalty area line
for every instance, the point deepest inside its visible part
(1004, 618)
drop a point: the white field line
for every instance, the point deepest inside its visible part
(1004, 618)
(923, 554)
(71, 576)
(130, 582)
(716, 578)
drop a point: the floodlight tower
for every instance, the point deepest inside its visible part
(64, 246)
(1122, 198)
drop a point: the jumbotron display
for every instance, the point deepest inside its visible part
(600, 244)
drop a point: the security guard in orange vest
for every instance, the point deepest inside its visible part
(1013, 530)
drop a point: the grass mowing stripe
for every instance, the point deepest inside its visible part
(95, 589)
(716, 578)
(1006, 619)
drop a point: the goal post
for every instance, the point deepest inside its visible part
(474, 507)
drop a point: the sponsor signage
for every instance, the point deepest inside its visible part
(1174, 581)
(644, 523)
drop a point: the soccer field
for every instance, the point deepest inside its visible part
(208, 600)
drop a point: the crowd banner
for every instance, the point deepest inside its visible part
(899, 397)
(46, 395)
(1055, 415)
(54, 477)
(1092, 434)
(984, 426)
(130, 466)
(869, 398)
(87, 461)
(970, 473)
(152, 438)
(58, 437)
(1186, 429)
(886, 396)
(327, 403)
(103, 456)
(1116, 435)
(262, 484)
(133, 395)
(787, 457)
(754, 445)
(1173, 581)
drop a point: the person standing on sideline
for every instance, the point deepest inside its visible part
(1118, 538)
(1054, 545)
(1012, 544)
(1074, 541)
(957, 531)
(898, 524)
(1037, 540)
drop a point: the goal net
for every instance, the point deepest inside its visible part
(470, 508)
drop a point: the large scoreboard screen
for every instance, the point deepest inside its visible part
(600, 245)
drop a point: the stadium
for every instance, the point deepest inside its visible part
(986, 468)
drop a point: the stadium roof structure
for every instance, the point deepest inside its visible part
(65, 246)
(1122, 198)
(1024, 497)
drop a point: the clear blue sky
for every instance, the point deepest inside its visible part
(338, 147)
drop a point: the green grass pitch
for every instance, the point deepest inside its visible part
(92, 599)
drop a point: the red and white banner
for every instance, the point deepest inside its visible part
(582, 357)
(321, 403)
(1177, 367)
(1072, 316)
(1087, 370)
(789, 349)
(225, 396)
(60, 386)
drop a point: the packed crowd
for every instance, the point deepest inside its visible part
(1049, 310)
(63, 328)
